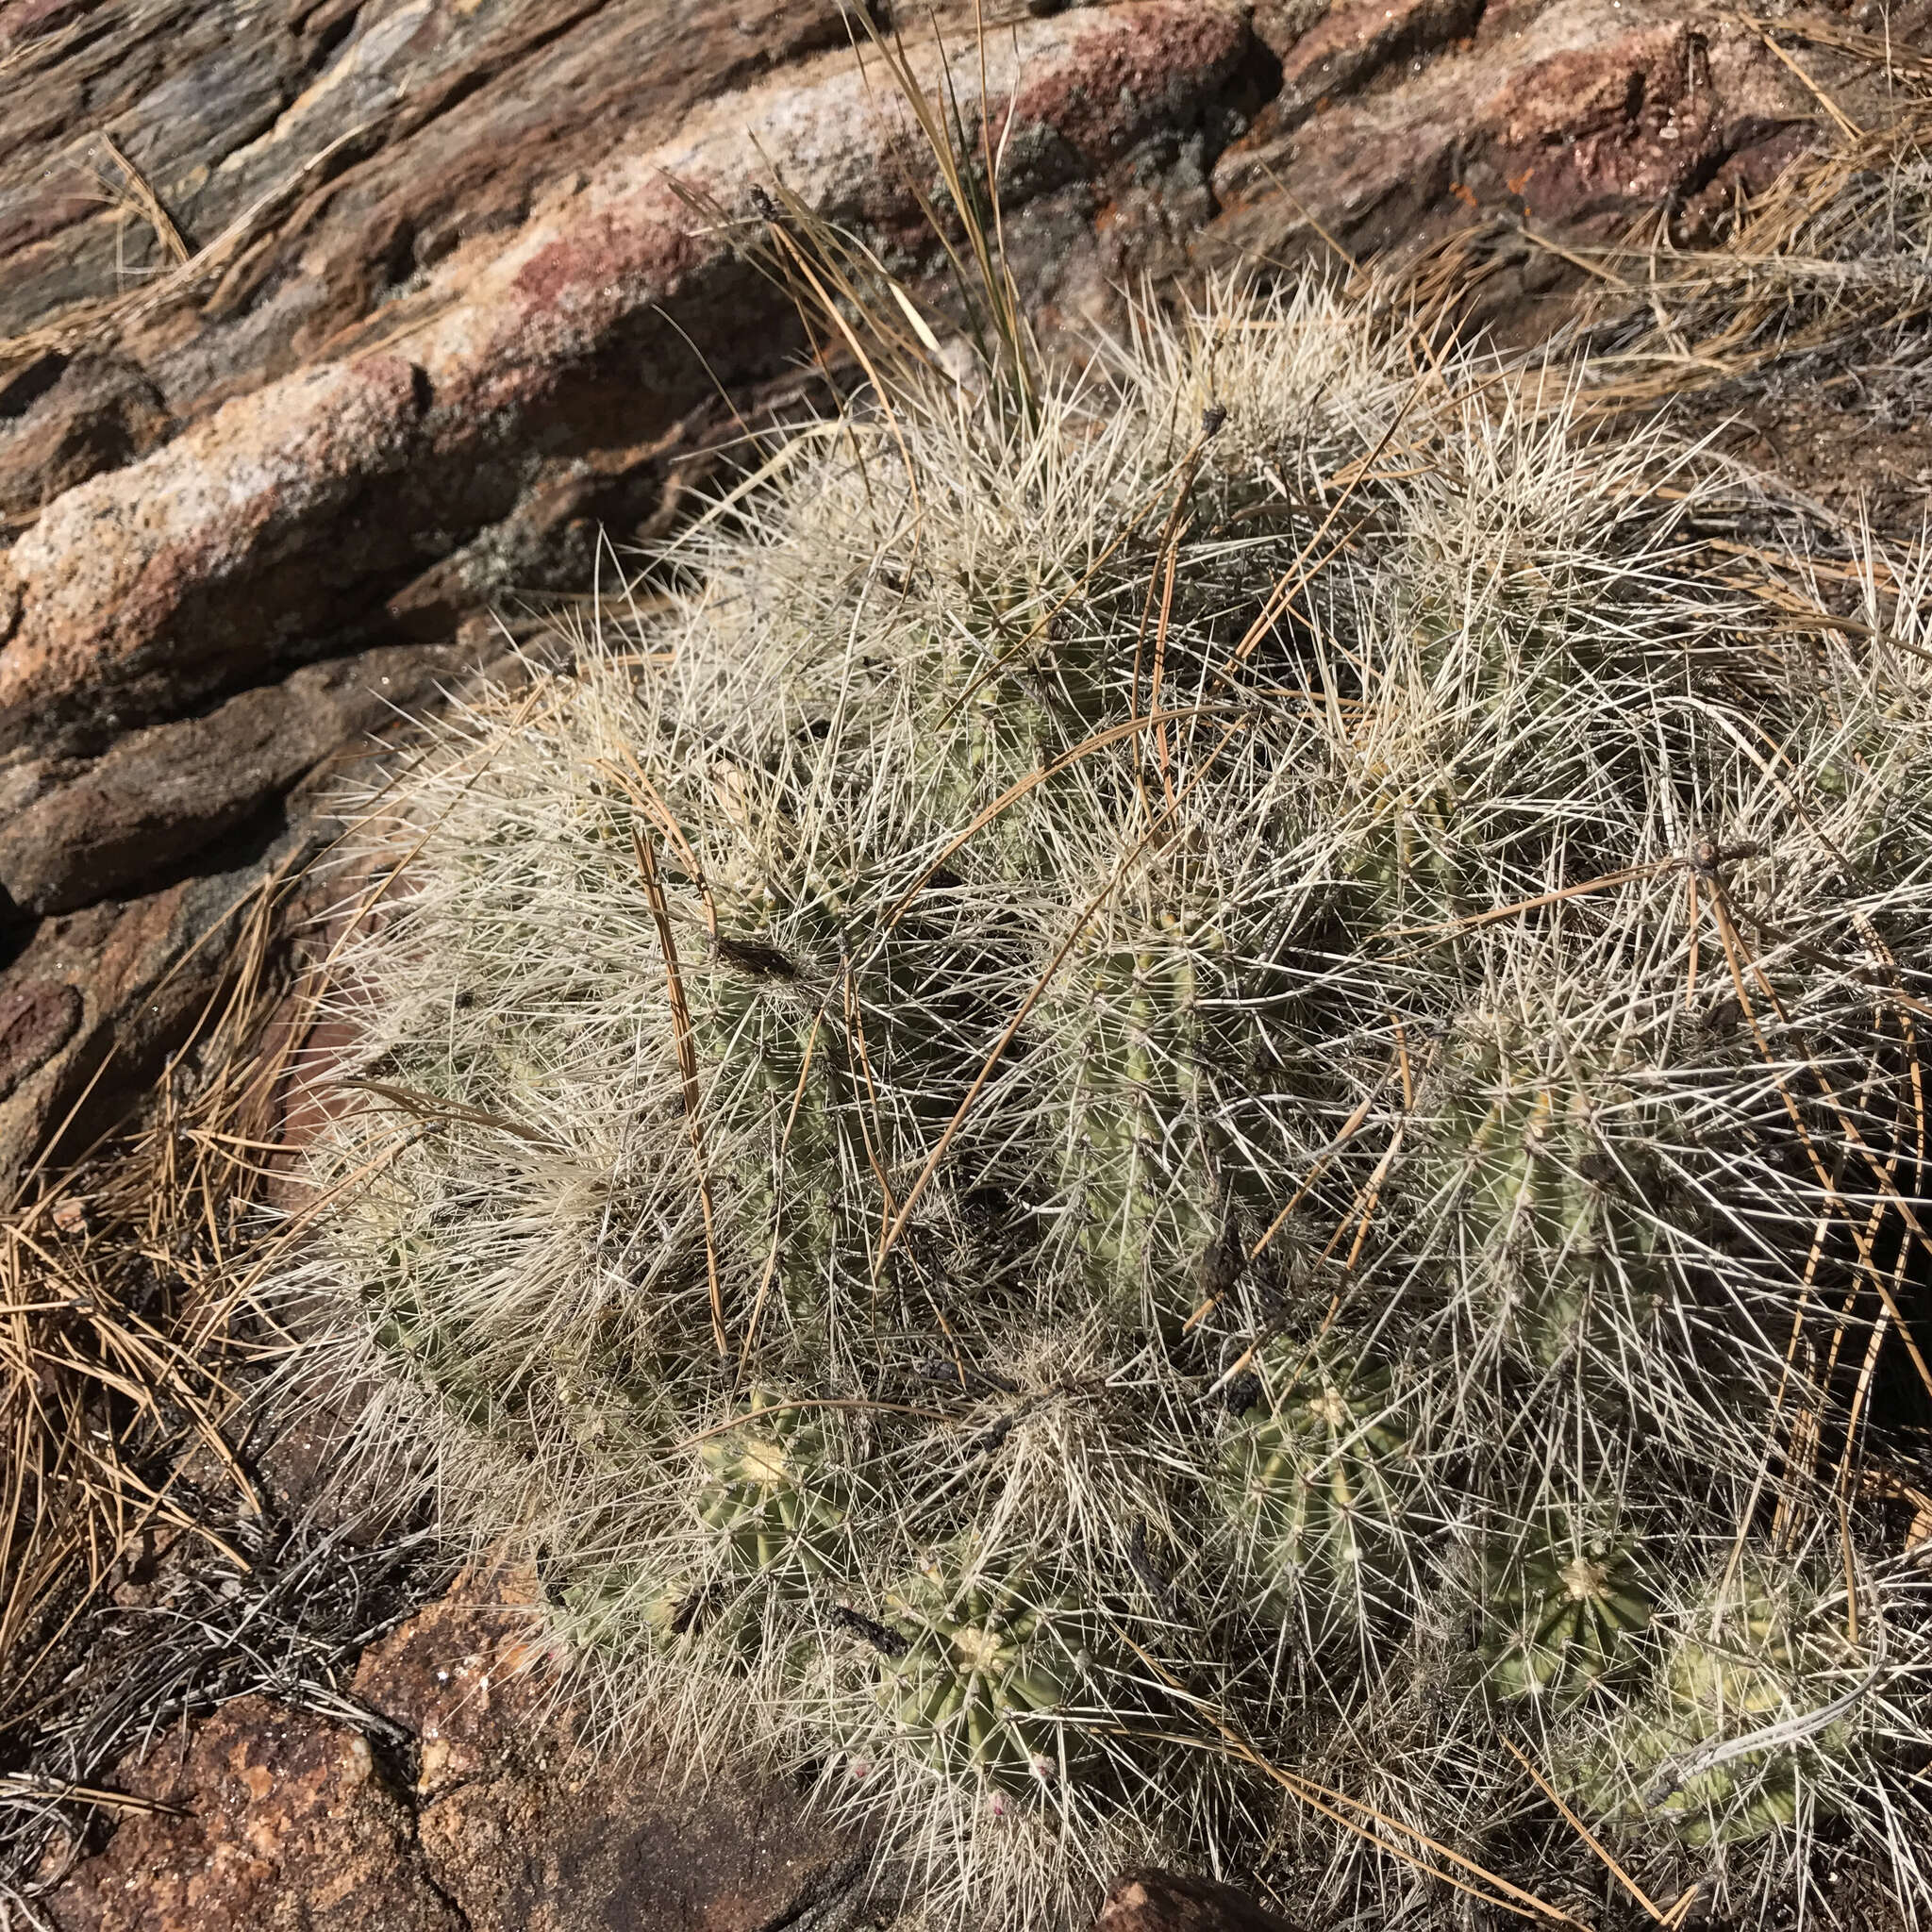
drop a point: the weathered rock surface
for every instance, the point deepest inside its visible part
(528, 1831)
(160, 795)
(311, 508)
(279, 1822)
(38, 1017)
(1576, 117)
(98, 999)
(95, 412)
(1154, 1901)
(501, 1822)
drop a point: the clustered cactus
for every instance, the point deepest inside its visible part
(1206, 1095)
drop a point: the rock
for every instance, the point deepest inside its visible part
(1350, 45)
(38, 1017)
(439, 125)
(1154, 1901)
(160, 796)
(506, 1821)
(298, 515)
(529, 1830)
(147, 968)
(579, 1851)
(145, 590)
(92, 413)
(279, 1821)
(1613, 124)
(125, 983)
(467, 1678)
(1579, 116)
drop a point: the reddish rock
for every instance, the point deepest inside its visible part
(450, 114)
(145, 589)
(468, 1678)
(142, 974)
(528, 1831)
(513, 1824)
(92, 412)
(579, 1850)
(37, 1019)
(1581, 114)
(285, 1825)
(148, 969)
(1617, 124)
(1153, 1900)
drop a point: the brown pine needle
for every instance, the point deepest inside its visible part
(425, 1107)
(1337, 1805)
(1099, 741)
(147, 204)
(771, 1267)
(688, 1069)
(1588, 1837)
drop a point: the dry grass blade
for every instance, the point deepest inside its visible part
(122, 1327)
(137, 194)
(103, 317)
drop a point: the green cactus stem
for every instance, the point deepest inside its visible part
(1558, 1612)
(1320, 1474)
(772, 1490)
(1535, 1203)
(1668, 1762)
(1402, 855)
(989, 1663)
(1135, 1164)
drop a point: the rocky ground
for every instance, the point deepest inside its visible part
(336, 334)
(328, 328)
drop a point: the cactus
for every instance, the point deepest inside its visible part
(1538, 1208)
(773, 1490)
(1725, 1679)
(425, 1340)
(1401, 857)
(990, 1665)
(988, 1130)
(609, 1605)
(1134, 1167)
(776, 1104)
(1323, 1476)
(1735, 1804)
(1558, 1609)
